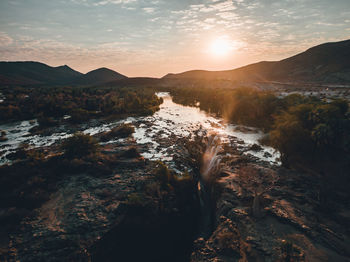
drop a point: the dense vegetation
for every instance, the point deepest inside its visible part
(306, 130)
(48, 104)
(79, 145)
(121, 131)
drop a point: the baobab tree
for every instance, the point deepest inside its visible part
(257, 181)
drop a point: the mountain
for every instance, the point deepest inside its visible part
(35, 73)
(325, 63)
(99, 76)
(32, 73)
(328, 63)
(137, 82)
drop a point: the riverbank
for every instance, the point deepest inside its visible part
(264, 212)
(70, 209)
(120, 203)
(293, 223)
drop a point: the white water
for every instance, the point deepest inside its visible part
(18, 133)
(2, 98)
(174, 120)
(156, 133)
(211, 159)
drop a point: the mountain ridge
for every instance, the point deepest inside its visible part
(100, 76)
(29, 73)
(327, 62)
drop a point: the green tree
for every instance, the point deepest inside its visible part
(79, 145)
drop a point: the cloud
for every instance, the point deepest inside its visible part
(107, 33)
(53, 52)
(149, 10)
(223, 6)
(217, 6)
(102, 2)
(228, 15)
(116, 2)
(5, 40)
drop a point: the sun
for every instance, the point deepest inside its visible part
(220, 47)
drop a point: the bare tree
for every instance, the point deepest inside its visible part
(257, 181)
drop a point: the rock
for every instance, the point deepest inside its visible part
(244, 129)
(255, 147)
(12, 214)
(267, 154)
(3, 136)
(224, 242)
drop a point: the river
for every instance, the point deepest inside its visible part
(156, 133)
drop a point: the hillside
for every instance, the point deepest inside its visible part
(35, 73)
(325, 63)
(99, 76)
(31, 73)
(328, 63)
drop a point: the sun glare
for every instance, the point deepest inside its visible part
(220, 47)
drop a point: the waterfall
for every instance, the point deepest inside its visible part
(211, 159)
(209, 170)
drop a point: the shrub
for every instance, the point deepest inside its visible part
(45, 121)
(79, 145)
(162, 173)
(226, 240)
(131, 153)
(77, 165)
(121, 131)
(79, 115)
(136, 200)
(3, 136)
(35, 156)
(170, 180)
(309, 130)
(291, 252)
(21, 152)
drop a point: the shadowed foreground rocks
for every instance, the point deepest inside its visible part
(292, 226)
(145, 236)
(117, 206)
(121, 212)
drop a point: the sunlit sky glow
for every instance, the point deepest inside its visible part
(155, 37)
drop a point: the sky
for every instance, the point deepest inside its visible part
(156, 37)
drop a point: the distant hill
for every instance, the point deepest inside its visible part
(325, 63)
(99, 76)
(29, 73)
(137, 82)
(35, 73)
(328, 63)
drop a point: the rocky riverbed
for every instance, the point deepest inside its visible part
(292, 225)
(155, 133)
(117, 206)
(80, 211)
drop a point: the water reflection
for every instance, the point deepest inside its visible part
(174, 120)
(156, 133)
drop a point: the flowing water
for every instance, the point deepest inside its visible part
(210, 167)
(156, 134)
(173, 120)
(83, 201)
(211, 159)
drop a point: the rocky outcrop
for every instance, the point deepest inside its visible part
(124, 212)
(291, 228)
(82, 210)
(225, 244)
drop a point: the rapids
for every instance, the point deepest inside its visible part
(156, 133)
